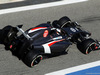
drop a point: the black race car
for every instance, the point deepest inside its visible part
(46, 39)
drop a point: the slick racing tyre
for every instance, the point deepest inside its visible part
(86, 46)
(8, 34)
(62, 21)
(4, 33)
(32, 59)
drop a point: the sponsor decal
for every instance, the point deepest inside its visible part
(72, 29)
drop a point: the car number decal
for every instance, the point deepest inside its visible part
(45, 33)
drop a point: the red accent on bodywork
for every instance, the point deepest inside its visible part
(96, 47)
(41, 58)
(11, 46)
(94, 44)
(87, 53)
(38, 28)
(50, 44)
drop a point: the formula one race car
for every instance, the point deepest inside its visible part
(46, 39)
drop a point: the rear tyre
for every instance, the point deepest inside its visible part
(4, 33)
(32, 59)
(86, 46)
(8, 34)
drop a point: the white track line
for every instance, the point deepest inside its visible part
(9, 1)
(76, 68)
(32, 7)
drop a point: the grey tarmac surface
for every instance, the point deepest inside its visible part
(25, 3)
(86, 13)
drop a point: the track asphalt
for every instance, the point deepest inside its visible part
(86, 13)
(24, 3)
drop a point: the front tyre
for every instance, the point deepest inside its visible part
(32, 59)
(86, 46)
(61, 22)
